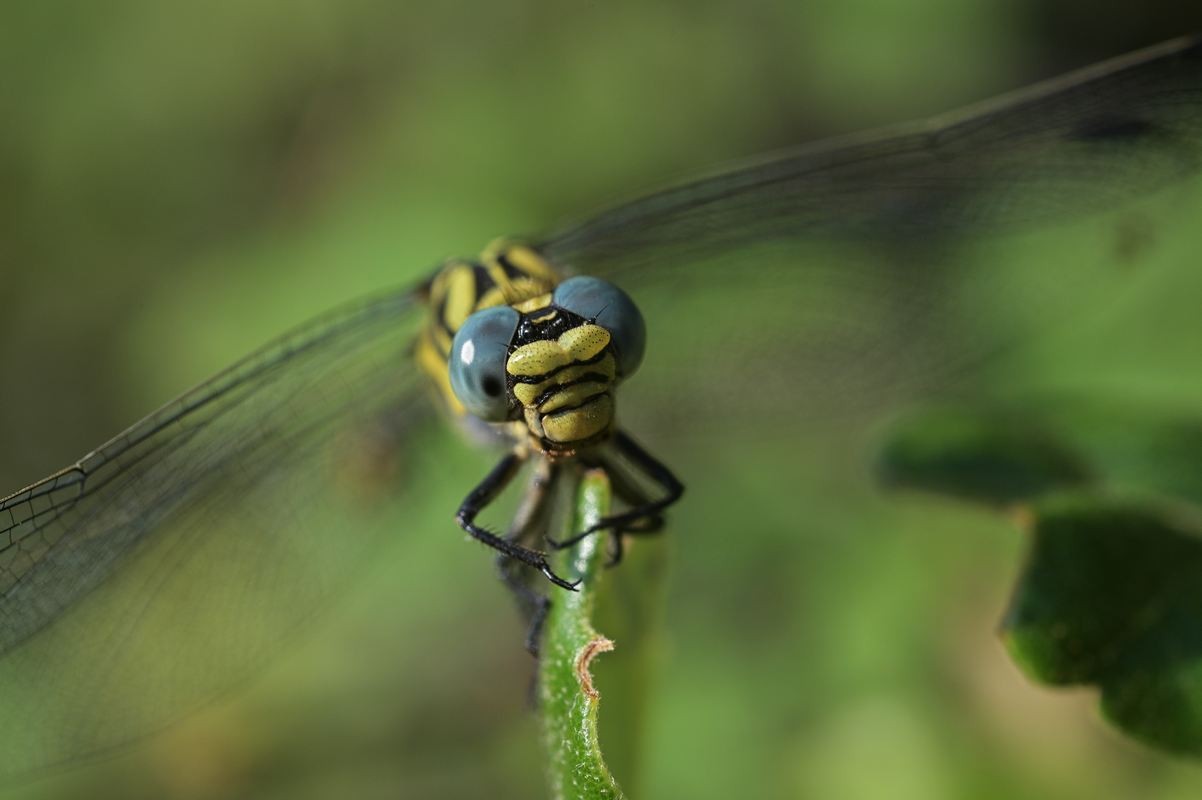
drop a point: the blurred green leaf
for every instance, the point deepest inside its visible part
(1111, 591)
(991, 458)
(1001, 456)
(1111, 595)
(1150, 447)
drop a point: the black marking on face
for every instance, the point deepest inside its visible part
(540, 325)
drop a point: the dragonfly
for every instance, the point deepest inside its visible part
(109, 561)
(509, 338)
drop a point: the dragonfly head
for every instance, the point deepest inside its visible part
(551, 362)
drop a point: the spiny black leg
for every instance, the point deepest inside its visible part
(625, 489)
(485, 493)
(673, 489)
(648, 526)
(645, 527)
(633, 496)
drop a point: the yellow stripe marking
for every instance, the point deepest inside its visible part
(461, 296)
(531, 263)
(522, 257)
(493, 297)
(438, 287)
(504, 282)
(534, 303)
(434, 364)
(579, 423)
(441, 340)
(538, 358)
(573, 396)
(527, 393)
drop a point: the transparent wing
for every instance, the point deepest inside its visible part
(167, 564)
(772, 368)
(863, 273)
(1078, 143)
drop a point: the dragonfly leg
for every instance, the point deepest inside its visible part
(633, 496)
(529, 524)
(647, 526)
(479, 498)
(645, 515)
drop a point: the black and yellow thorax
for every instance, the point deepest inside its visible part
(542, 360)
(505, 274)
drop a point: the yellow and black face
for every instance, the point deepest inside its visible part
(551, 362)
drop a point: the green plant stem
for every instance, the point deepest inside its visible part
(569, 701)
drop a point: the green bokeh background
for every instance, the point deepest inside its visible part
(179, 182)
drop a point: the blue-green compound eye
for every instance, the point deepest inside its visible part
(612, 309)
(478, 355)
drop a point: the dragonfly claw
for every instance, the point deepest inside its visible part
(545, 569)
